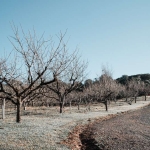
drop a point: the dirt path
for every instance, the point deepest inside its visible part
(75, 140)
(130, 131)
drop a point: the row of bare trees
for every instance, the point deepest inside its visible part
(41, 70)
(136, 87)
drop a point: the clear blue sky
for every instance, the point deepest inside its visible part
(112, 32)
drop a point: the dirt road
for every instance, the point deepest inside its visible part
(130, 131)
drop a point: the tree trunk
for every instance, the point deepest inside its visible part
(18, 116)
(61, 107)
(70, 107)
(24, 105)
(135, 99)
(25, 108)
(3, 109)
(126, 99)
(62, 100)
(32, 103)
(106, 106)
(78, 106)
(145, 96)
(79, 103)
(89, 106)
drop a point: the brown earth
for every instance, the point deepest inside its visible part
(128, 131)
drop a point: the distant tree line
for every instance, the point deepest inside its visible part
(125, 78)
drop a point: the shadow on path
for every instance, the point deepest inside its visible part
(89, 143)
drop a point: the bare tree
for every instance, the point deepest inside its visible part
(89, 95)
(105, 87)
(76, 97)
(128, 92)
(71, 77)
(35, 64)
(145, 88)
(134, 86)
(79, 98)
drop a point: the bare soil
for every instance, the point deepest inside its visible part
(129, 131)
